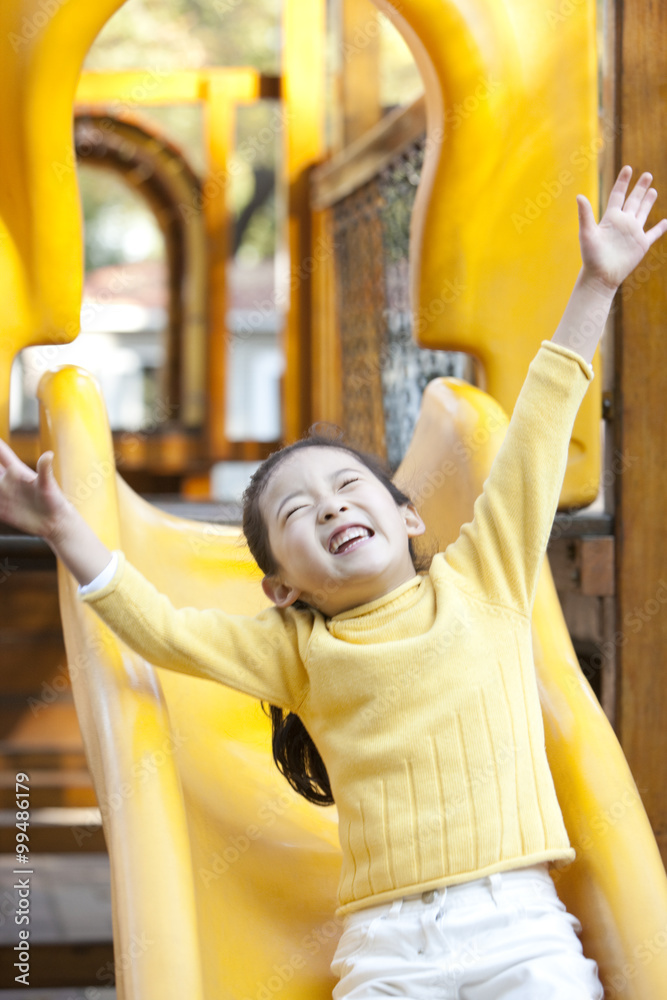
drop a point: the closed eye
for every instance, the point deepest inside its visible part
(294, 510)
(347, 482)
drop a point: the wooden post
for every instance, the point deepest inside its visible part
(640, 639)
(327, 362)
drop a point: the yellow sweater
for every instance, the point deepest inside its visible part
(424, 703)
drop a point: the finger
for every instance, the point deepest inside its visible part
(647, 204)
(586, 216)
(638, 194)
(656, 232)
(45, 469)
(620, 188)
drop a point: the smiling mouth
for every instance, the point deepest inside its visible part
(347, 538)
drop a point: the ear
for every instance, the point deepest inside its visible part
(413, 521)
(281, 594)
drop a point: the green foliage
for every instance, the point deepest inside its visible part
(118, 225)
(166, 35)
(179, 34)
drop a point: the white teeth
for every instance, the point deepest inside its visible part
(346, 536)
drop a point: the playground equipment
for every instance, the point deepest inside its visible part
(226, 877)
(214, 859)
(41, 258)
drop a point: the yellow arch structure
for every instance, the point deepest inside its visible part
(41, 257)
(512, 137)
(511, 102)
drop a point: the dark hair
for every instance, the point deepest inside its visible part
(294, 751)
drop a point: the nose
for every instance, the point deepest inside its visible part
(331, 507)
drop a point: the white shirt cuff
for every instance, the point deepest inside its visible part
(102, 578)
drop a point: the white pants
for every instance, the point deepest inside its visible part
(504, 937)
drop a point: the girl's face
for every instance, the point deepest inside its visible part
(337, 535)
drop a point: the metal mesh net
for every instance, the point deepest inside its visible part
(384, 371)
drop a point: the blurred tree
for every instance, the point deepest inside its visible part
(119, 226)
(175, 34)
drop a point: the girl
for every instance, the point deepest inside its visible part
(417, 690)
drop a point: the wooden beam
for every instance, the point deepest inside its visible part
(368, 155)
(641, 391)
(63, 965)
(327, 393)
(56, 839)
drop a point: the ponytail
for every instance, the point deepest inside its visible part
(297, 757)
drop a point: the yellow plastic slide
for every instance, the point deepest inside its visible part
(223, 880)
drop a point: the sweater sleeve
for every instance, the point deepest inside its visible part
(501, 551)
(260, 656)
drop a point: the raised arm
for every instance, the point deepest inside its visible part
(257, 655)
(500, 552)
(610, 251)
(33, 502)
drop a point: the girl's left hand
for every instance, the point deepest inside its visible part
(612, 249)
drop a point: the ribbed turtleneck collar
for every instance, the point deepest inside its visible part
(390, 604)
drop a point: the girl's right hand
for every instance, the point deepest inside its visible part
(30, 501)
(611, 250)
(33, 502)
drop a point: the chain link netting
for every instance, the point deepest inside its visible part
(384, 371)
